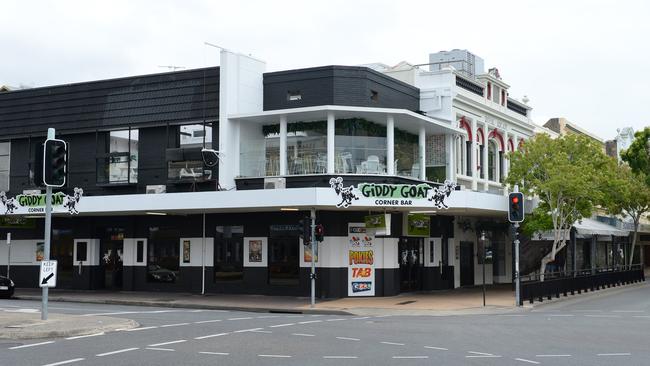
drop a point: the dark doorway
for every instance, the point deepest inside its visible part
(284, 260)
(646, 255)
(111, 261)
(410, 257)
(466, 263)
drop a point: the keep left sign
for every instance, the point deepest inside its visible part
(47, 276)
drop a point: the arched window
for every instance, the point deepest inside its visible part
(493, 159)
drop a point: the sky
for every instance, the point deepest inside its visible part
(587, 61)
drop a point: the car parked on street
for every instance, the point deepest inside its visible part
(6, 287)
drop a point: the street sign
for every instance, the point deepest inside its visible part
(47, 277)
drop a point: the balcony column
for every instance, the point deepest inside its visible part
(506, 161)
(485, 165)
(283, 145)
(390, 145)
(473, 159)
(422, 142)
(450, 149)
(331, 148)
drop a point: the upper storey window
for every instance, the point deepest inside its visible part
(5, 153)
(119, 161)
(360, 147)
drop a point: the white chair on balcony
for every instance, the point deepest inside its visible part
(372, 165)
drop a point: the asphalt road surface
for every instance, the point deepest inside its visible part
(610, 328)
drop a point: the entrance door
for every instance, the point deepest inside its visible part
(410, 251)
(112, 263)
(646, 255)
(466, 263)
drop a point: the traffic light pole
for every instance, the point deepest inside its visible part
(48, 231)
(517, 279)
(314, 253)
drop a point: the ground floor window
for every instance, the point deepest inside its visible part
(228, 253)
(284, 265)
(163, 255)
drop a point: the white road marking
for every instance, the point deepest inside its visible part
(268, 316)
(514, 315)
(134, 312)
(311, 321)
(161, 349)
(382, 316)
(247, 330)
(479, 356)
(334, 320)
(31, 345)
(438, 348)
(136, 329)
(215, 353)
(116, 352)
(261, 331)
(361, 318)
(588, 311)
(85, 336)
(277, 356)
(348, 339)
(339, 357)
(173, 325)
(480, 353)
(602, 316)
(614, 354)
(392, 343)
(552, 355)
(525, 360)
(211, 336)
(196, 311)
(208, 321)
(166, 343)
(302, 335)
(410, 357)
(282, 325)
(65, 362)
(244, 318)
(560, 315)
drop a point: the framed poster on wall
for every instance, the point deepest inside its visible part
(186, 251)
(255, 251)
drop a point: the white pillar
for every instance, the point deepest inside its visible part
(390, 145)
(283, 145)
(473, 158)
(331, 148)
(506, 161)
(450, 148)
(422, 141)
(486, 146)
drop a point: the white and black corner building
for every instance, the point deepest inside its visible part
(402, 165)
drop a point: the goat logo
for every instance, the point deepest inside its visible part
(10, 203)
(70, 202)
(345, 193)
(440, 193)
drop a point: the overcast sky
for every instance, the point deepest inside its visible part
(588, 61)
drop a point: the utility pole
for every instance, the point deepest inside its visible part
(48, 228)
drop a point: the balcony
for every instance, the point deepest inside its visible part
(516, 107)
(185, 165)
(118, 168)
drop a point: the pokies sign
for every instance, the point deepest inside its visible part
(361, 261)
(384, 194)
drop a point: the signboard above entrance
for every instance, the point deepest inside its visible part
(35, 203)
(392, 195)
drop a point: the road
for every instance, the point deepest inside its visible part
(610, 328)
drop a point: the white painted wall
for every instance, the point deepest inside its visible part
(196, 252)
(23, 252)
(92, 252)
(241, 91)
(130, 252)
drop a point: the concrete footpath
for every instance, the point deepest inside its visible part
(499, 299)
(19, 324)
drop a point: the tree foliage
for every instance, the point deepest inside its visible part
(568, 175)
(638, 154)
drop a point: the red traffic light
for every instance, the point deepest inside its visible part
(515, 199)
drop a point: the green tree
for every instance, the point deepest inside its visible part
(638, 154)
(568, 175)
(629, 195)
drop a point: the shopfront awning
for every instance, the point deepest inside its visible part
(586, 228)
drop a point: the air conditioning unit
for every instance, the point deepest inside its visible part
(28, 192)
(156, 189)
(275, 183)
